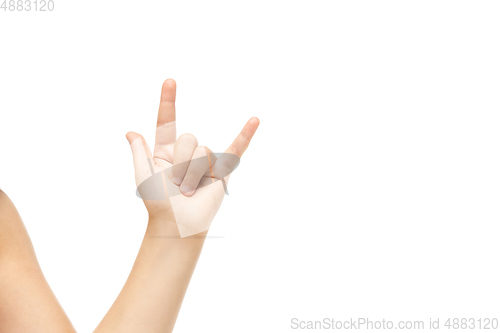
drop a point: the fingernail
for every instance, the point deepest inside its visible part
(187, 191)
(177, 180)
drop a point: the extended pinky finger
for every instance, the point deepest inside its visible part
(226, 163)
(240, 144)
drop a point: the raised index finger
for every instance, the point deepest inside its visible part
(165, 125)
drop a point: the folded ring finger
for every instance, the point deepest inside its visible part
(183, 151)
(199, 164)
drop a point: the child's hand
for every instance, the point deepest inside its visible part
(183, 182)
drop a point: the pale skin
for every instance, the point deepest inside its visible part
(152, 296)
(27, 304)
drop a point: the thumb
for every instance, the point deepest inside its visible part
(143, 160)
(131, 136)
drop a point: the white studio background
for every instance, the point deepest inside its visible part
(371, 189)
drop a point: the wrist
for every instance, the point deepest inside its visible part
(168, 229)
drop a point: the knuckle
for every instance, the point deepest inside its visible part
(188, 137)
(201, 151)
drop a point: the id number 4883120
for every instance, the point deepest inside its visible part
(27, 5)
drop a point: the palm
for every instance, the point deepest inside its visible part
(182, 181)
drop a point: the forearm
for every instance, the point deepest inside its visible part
(15, 244)
(27, 304)
(179, 178)
(152, 296)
